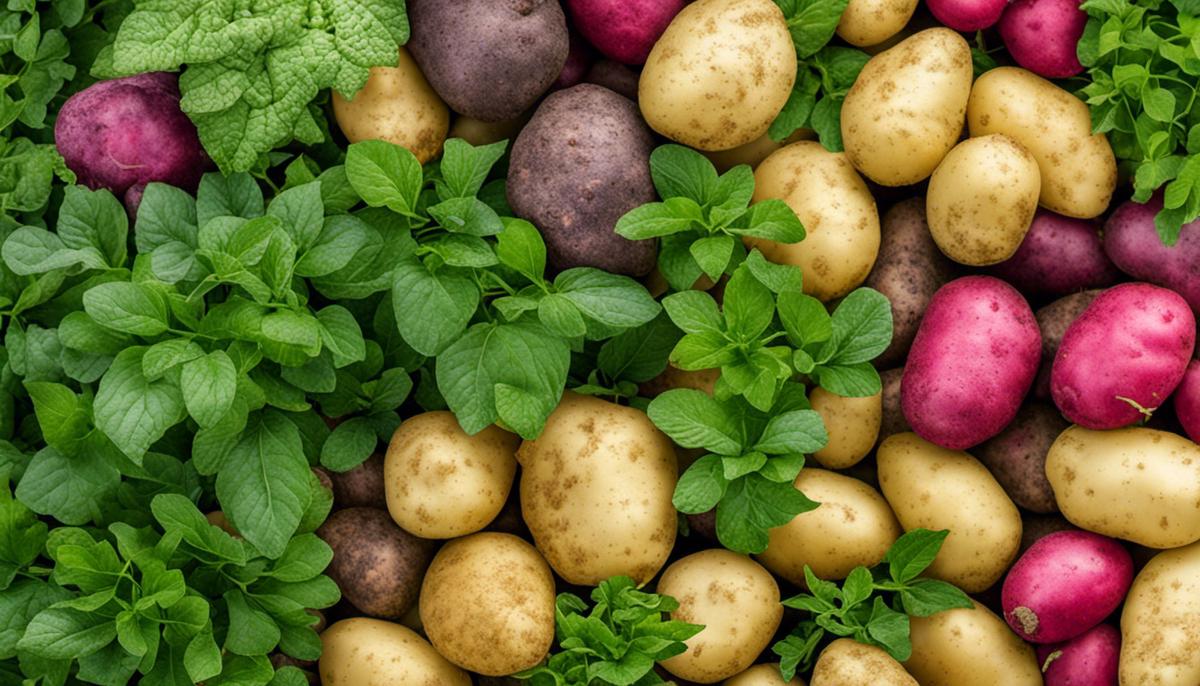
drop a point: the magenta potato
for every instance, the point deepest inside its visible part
(1041, 35)
(1059, 255)
(1134, 246)
(623, 30)
(1187, 401)
(1090, 659)
(1053, 321)
(967, 15)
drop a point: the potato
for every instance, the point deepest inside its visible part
(838, 213)
(846, 662)
(1090, 658)
(614, 76)
(853, 526)
(487, 604)
(762, 675)
(1138, 484)
(754, 152)
(967, 15)
(1042, 35)
(489, 60)
(1187, 401)
(735, 599)
(361, 486)
(969, 646)
(853, 426)
(1036, 527)
(1128, 234)
(905, 110)
(1158, 624)
(933, 488)
(377, 564)
(1058, 256)
(397, 105)
(623, 30)
(981, 200)
(871, 22)
(442, 483)
(893, 421)
(478, 132)
(1053, 321)
(1078, 169)
(909, 270)
(361, 651)
(581, 163)
(1017, 456)
(596, 491)
(719, 74)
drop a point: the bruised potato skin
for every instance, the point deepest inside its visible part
(361, 651)
(1160, 644)
(871, 22)
(970, 646)
(846, 662)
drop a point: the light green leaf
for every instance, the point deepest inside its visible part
(208, 384)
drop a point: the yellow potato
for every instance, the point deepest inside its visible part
(753, 153)
(852, 527)
(361, 651)
(905, 111)
(674, 377)
(442, 483)
(838, 213)
(478, 132)
(719, 74)
(930, 487)
(762, 675)
(871, 22)
(982, 198)
(1079, 171)
(1137, 484)
(487, 604)
(735, 599)
(853, 426)
(1160, 643)
(960, 647)
(596, 491)
(846, 662)
(397, 105)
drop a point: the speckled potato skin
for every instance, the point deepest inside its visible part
(975, 647)
(442, 483)
(838, 213)
(489, 59)
(1078, 169)
(853, 426)
(596, 491)
(905, 110)
(1160, 643)
(762, 675)
(871, 22)
(361, 486)
(365, 652)
(1053, 321)
(487, 604)
(933, 488)
(397, 105)
(853, 526)
(735, 599)
(981, 200)
(1138, 484)
(1017, 456)
(846, 662)
(909, 270)
(377, 564)
(720, 73)
(581, 163)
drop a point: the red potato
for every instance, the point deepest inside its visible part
(1059, 255)
(1041, 35)
(967, 15)
(1187, 401)
(1134, 246)
(1065, 584)
(1053, 321)
(1089, 659)
(1123, 356)
(971, 363)
(624, 30)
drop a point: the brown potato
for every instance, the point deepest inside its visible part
(893, 420)
(377, 564)
(1017, 456)
(614, 76)
(1053, 320)
(361, 486)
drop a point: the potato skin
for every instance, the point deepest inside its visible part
(1090, 658)
(871, 22)
(762, 675)
(838, 213)
(581, 163)
(361, 486)
(1187, 401)
(893, 415)
(477, 132)
(735, 599)
(487, 604)
(1017, 456)
(970, 646)
(397, 105)
(1127, 240)
(1160, 644)
(846, 662)
(442, 483)
(1053, 321)
(1138, 484)
(614, 76)
(489, 60)
(1059, 256)
(854, 526)
(905, 110)
(719, 74)
(596, 491)
(377, 564)
(1078, 169)
(362, 651)
(853, 426)
(934, 488)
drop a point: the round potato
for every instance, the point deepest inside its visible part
(762, 675)
(361, 486)
(442, 483)
(719, 74)
(735, 599)
(487, 604)
(596, 491)
(870, 22)
(981, 200)
(838, 213)
(1078, 169)
(853, 426)
(1160, 644)
(934, 488)
(397, 105)
(377, 564)
(846, 662)
(362, 651)
(974, 646)
(1138, 484)
(905, 110)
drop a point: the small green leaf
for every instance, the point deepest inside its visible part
(693, 419)
(350, 444)
(798, 431)
(913, 552)
(657, 219)
(208, 384)
(701, 487)
(384, 175)
(128, 307)
(680, 172)
(520, 247)
(925, 597)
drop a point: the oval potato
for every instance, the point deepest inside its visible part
(958, 647)
(1160, 644)
(371, 651)
(846, 662)
(853, 426)
(870, 22)
(762, 675)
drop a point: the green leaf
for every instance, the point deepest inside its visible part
(560, 316)
(609, 299)
(857, 587)
(799, 106)
(753, 505)
(176, 514)
(233, 195)
(520, 247)
(302, 212)
(850, 381)
(202, 658)
(19, 604)
(458, 250)
(133, 411)
(693, 419)
(384, 175)
(694, 312)
(713, 254)
(251, 631)
(78, 331)
(779, 278)
(657, 219)
(95, 220)
(61, 633)
(341, 335)
(925, 597)
(796, 651)
(913, 552)
(64, 420)
(737, 467)
(209, 384)
(339, 240)
(305, 557)
(166, 355)
(350, 444)
(680, 172)
(804, 319)
(748, 305)
(826, 120)
(773, 220)
(465, 167)
(70, 489)
(812, 23)
(798, 431)
(432, 308)
(128, 307)
(701, 487)
(862, 328)
(30, 250)
(697, 351)
(22, 538)
(890, 629)
(166, 215)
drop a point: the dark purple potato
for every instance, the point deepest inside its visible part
(1017, 456)
(361, 486)
(489, 59)
(1059, 255)
(615, 77)
(579, 60)
(125, 133)
(378, 565)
